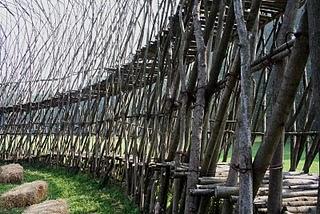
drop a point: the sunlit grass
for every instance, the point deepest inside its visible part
(314, 169)
(84, 195)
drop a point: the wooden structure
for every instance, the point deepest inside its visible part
(154, 93)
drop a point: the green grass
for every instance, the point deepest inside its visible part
(286, 159)
(84, 195)
(314, 169)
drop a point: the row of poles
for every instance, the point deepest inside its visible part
(137, 90)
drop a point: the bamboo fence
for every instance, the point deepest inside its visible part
(157, 93)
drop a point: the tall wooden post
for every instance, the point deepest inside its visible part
(244, 134)
(314, 42)
(198, 112)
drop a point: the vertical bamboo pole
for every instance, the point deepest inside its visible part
(245, 155)
(275, 178)
(198, 112)
(292, 77)
(314, 42)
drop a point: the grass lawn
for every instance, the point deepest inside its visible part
(314, 169)
(83, 194)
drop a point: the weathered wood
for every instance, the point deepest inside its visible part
(314, 41)
(217, 191)
(122, 96)
(214, 141)
(292, 76)
(275, 181)
(245, 155)
(198, 112)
